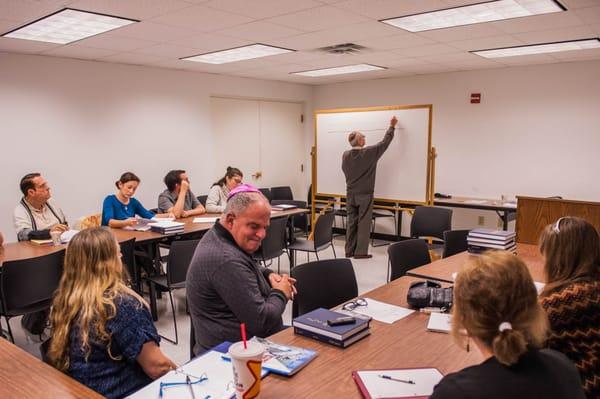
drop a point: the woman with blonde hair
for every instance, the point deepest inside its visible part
(496, 307)
(571, 297)
(102, 331)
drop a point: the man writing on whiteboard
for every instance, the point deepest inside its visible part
(359, 165)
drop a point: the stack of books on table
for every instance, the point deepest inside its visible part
(315, 325)
(481, 240)
(167, 227)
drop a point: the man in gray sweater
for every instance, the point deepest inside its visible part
(359, 165)
(225, 286)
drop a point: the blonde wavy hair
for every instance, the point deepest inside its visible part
(492, 289)
(92, 278)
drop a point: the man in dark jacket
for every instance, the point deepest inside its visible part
(360, 165)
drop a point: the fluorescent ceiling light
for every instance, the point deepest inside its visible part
(238, 54)
(482, 12)
(68, 25)
(339, 70)
(539, 48)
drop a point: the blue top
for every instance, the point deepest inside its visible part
(112, 208)
(131, 328)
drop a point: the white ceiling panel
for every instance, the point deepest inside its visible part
(556, 35)
(201, 18)
(259, 31)
(319, 18)
(78, 51)
(397, 41)
(474, 31)
(25, 11)
(208, 42)
(382, 9)
(114, 42)
(136, 9)
(486, 43)
(24, 46)
(430, 49)
(527, 60)
(168, 50)
(145, 30)
(259, 9)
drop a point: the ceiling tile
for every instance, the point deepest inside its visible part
(574, 4)
(486, 43)
(319, 18)
(577, 54)
(208, 42)
(526, 60)
(589, 15)
(538, 22)
(201, 18)
(25, 11)
(259, 9)
(154, 32)
(431, 49)
(382, 9)
(133, 58)
(78, 51)
(6, 25)
(259, 31)
(452, 57)
(473, 31)
(555, 35)
(168, 50)
(25, 46)
(113, 42)
(397, 41)
(136, 9)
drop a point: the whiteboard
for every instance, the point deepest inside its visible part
(402, 171)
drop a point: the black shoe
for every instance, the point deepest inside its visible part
(349, 255)
(365, 256)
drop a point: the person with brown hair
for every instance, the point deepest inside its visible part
(571, 297)
(217, 195)
(102, 331)
(496, 307)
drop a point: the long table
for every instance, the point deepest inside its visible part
(505, 209)
(443, 269)
(24, 376)
(403, 344)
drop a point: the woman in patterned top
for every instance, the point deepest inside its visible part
(102, 331)
(571, 297)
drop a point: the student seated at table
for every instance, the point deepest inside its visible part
(119, 210)
(102, 331)
(217, 195)
(496, 306)
(571, 297)
(178, 198)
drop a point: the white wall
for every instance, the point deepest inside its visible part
(536, 131)
(83, 123)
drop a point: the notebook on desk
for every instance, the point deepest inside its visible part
(397, 383)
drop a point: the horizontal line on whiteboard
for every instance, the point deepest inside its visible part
(360, 130)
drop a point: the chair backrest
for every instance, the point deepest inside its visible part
(430, 221)
(274, 243)
(455, 241)
(324, 229)
(192, 339)
(180, 256)
(128, 258)
(202, 199)
(323, 284)
(281, 193)
(406, 255)
(266, 192)
(28, 282)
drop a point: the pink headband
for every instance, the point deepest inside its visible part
(242, 188)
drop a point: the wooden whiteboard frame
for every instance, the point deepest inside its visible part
(429, 183)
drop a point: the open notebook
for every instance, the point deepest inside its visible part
(392, 384)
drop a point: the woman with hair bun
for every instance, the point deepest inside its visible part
(571, 297)
(217, 195)
(497, 309)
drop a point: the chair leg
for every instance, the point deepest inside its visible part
(10, 334)
(317, 255)
(333, 248)
(174, 320)
(387, 279)
(153, 309)
(278, 265)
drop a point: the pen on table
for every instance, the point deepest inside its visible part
(387, 377)
(189, 383)
(432, 310)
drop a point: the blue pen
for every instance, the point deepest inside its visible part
(387, 377)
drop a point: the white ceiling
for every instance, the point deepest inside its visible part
(171, 29)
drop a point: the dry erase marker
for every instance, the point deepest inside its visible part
(432, 310)
(387, 377)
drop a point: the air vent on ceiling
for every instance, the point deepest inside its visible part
(343, 49)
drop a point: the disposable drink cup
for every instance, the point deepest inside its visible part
(55, 235)
(247, 364)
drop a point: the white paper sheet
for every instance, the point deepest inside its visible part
(439, 322)
(206, 219)
(381, 311)
(424, 382)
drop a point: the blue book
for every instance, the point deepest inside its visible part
(316, 322)
(342, 344)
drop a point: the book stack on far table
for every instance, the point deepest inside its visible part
(167, 227)
(315, 325)
(481, 240)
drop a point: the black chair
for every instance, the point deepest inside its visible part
(180, 256)
(202, 199)
(431, 222)
(192, 339)
(128, 260)
(323, 284)
(406, 255)
(281, 193)
(28, 285)
(382, 213)
(300, 222)
(322, 239)
(274, 243)
(455, 241)
(266, 192)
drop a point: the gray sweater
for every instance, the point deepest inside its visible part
(225, 287)
(360, 165)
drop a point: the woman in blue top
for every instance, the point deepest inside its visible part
(119, 210)
(102, 331)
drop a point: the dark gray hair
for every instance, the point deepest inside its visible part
(241, 201)
(354, 137)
